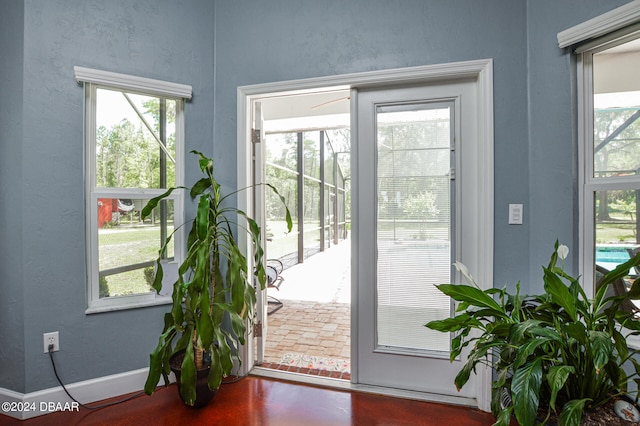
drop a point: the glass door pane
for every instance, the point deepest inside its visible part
(414, 227)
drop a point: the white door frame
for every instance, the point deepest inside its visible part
(481, 242)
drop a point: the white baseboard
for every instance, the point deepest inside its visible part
(25, 406)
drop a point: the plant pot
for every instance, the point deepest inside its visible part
(203, 393)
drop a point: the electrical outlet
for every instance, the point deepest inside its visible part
(51, 339)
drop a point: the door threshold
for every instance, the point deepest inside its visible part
(309, 371)
(347, 385)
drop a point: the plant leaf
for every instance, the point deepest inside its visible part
(518, 330)
(571, 413)
(526, 350)
(472, 296)
(153, 203)
(200, 187)
(454, 324)
(215, 373)
(202, 217)
(525, 390)
(559, 292)
(156, 360)
(188, 377)
(284, 202)
(504, 417)
(601, 347)
(557, 377)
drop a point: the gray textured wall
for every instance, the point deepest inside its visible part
(292, 39)
(553, 162)
(12, 370)
(43, 277)
(163, 39)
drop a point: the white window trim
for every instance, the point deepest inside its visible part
(93, 79)
(133, 83)
(594, 35)
(606, 23)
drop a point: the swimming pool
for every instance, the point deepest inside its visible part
(611, 255)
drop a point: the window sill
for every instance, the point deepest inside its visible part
(126, 302)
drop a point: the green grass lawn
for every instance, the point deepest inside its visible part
(615, 233)
(127, 245)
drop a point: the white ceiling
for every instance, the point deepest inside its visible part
(305, 105)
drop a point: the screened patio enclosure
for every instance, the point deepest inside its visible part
(615, 153)
(616, 149)
(311, 170)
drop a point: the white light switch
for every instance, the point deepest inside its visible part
(515, 214)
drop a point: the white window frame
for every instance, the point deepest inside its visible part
(589, 37)
(92, 80)
(586, 39)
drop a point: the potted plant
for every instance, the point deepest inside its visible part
(213, 296)
(558, 353)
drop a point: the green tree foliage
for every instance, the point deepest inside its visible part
(413, 170)
(616, 156)
(622, 153)
(128, 155)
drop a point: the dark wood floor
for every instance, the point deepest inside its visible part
(259, 401)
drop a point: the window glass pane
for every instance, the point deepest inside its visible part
(312, 154)
(128, 247)
(134, 147)
(282, 150)
(311, 217)
(616, 115)
(338, 167)
(616, 219)
(414, 224)
(616, 153)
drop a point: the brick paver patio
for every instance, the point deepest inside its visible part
(314, 323)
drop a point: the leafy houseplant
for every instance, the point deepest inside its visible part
(214, 294)
(558, 352)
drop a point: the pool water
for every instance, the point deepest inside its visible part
(610, 256)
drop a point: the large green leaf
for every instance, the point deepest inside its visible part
(472, 296)
(504, 417)
(284, 202)
(518, 330)
(571, 413)
(202, 217)
(204, 323)
(454, 324)
(153, 203)
(226, 361)
(620, 271)
(205, 163)
(559, 293)
(188, 377)
(157, 280)
(556, 378)
(200, 187)
(215, 373)
(575, 330)
(523, 352)
(634, 291)
(525, 391)
(601, 347)
(156, 360)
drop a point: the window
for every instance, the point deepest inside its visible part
(610, 151)
(133, 136)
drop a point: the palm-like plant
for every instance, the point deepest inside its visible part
(214, 286)
(556, 352)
